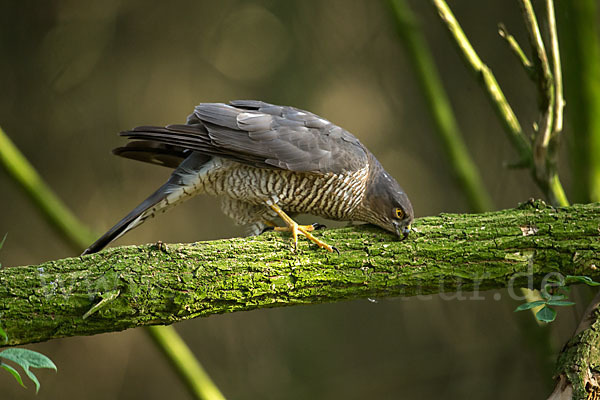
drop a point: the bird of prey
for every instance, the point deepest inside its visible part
(265, 161)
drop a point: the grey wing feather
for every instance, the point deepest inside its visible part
(153, 152)
(263, 135)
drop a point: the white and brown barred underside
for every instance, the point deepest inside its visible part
(245, 191)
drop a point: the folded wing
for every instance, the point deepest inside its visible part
(251, 132)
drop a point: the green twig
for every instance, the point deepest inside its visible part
(544, 79)
(559, 102)
(446, 126)
(543, 167)
(79, 237)
(557, 190)
(580, 44)
(551, 103)
(52, 208)
(545, 83)
(175, 349)
(490, 85)
(516, 49)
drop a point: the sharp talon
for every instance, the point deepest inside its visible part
(335, 249)
(267, 229)
(316, 226)
(295, 229)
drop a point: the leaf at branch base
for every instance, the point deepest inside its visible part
(531, 304)
(28, 358)
(546, 314)
(13, 372)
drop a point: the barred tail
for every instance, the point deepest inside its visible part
(182, 185)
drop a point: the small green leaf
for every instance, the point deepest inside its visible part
(28, 358)
(557, 302)
(3, 335)
(531, 304)
(546, 314)
(581, 279)
(14, 373)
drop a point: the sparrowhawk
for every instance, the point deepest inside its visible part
(265, 161)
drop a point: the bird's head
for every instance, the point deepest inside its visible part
(385, 204)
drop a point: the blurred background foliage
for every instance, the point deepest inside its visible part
(76, 73)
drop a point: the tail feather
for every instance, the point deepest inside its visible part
(131, 220)
(182, 185)
(153, 152)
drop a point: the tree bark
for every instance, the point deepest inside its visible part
(578, 365)
(131, 286)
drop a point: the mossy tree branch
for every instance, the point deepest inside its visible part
(127, 287)
(577, 367)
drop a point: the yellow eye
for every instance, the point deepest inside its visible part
(399, 213)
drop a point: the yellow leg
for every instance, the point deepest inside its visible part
(292, 226)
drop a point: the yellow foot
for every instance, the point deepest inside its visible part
(292, 226)
(308, 228)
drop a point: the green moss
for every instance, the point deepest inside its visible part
(182, 281)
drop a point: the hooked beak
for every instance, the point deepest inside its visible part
(403, 233)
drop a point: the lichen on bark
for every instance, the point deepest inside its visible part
(131, 286)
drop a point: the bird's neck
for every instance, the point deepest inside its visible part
(367, 210)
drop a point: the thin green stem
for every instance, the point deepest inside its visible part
(490, 85)
(183, 360)
(549, 82)
(545, 84)
(79, 237)
(580, 44)
(559, 102)
(516, 49)
(52, 208)
(542, 167)
(544, 78)
(558, 191)
(447, 129)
